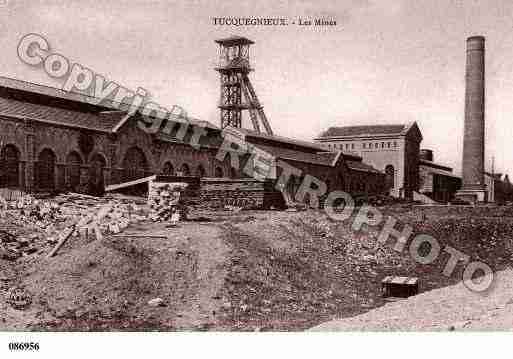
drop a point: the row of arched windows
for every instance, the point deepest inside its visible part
(45, 169)
(134, 165)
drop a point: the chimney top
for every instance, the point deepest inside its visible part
(476, 43)
(476, 38)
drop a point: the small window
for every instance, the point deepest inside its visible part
(388, 144)
(364, 146)
(395, 144)
(382, 144)
(352, 146)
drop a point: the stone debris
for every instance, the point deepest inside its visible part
(156, 302)
(165, 201)
(28, 224)
(3, 207)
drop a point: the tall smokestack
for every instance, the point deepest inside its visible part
(473, 188)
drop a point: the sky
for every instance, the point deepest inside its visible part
(390, 61)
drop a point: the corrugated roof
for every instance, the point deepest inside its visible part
(99, 122)
(349, 131)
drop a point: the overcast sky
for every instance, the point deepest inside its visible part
(390, 61)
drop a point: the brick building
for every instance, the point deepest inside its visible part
(52, 140)
(392, 149)
(436, 180)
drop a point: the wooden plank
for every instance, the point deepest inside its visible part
(98, 232)
(63, 238)
(140, 236)
(129, 184)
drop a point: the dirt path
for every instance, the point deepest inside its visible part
(106, 285)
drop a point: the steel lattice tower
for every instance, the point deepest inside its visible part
(234, 68)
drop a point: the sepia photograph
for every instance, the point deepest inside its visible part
(278, 178)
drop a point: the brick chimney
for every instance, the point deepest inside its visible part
(473, 189)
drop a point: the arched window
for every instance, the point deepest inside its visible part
(96, 175)
(73, 162)
(168, 169)
(9, 166)
(389, 176)
(135, 165)
(200, 172)
(185, 170)
(218, 172)
(233, 173)
(46, 170)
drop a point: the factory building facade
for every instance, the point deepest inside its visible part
(395, 150)
(392, 149)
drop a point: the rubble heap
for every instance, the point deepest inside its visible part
(29, 225)
(165, 201)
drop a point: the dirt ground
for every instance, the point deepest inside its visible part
(244, 271)
(452, 308)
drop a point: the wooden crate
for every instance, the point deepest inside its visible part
(399, 287)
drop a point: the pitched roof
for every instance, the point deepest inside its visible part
(435, 165)
(109, 112)
(20, 109)
(314, 147)
(322, 158)
(25, 86)
(371, 130)
(361, 166)
(232, 40)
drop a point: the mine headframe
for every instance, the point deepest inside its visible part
(237, 92)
